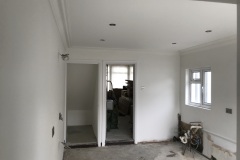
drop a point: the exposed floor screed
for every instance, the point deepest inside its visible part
(148, 151)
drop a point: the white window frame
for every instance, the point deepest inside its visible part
(200, 81)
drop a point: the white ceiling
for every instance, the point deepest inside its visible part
(148, 24)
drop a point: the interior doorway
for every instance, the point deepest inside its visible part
(82, 104)
(120, 84)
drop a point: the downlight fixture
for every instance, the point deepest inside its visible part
(208, 31)
(112, 24)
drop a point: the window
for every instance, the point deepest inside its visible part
(118, 74)
(199, 87)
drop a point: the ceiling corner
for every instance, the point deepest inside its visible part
(60, 16)
(221, 1)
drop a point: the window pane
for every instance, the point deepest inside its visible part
(207, 87)
(108, 77)
(119, 75)
(119, 69)
(118, 80)
(196, 75)
(131, 73)
(195, 93)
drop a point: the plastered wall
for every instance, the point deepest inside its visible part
(219, 125)
(81, 88)
(157, 104)
(32, 82)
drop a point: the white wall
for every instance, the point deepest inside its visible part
(221, 57)
(238, 80)
(95, 120)
(81, 86)
(158, 104)
(31, 82)
(79, 117)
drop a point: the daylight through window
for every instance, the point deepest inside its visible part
(199, 87)
(118, 74)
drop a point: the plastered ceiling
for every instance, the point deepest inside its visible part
(148, 24)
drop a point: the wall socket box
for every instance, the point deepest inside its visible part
(60, 116)
(229, 110)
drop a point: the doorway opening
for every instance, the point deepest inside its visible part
(82, 103)
(119, 103)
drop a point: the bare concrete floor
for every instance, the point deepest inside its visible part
(80, 135)
(150, 151)
(124, 131)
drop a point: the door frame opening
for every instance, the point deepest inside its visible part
(99, 125)
(104, 101)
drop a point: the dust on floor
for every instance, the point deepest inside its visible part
(150, 151)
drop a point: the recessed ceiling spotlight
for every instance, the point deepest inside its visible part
(174, 43)
(112, 24)
(208, 31)
(102, 40)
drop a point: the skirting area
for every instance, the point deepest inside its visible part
(150, 151)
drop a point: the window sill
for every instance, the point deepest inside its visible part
(199, 106)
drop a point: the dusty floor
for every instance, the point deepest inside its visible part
(80, 134)
(124, 131)
(150, 151)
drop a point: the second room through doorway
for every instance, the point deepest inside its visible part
(120, 103)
